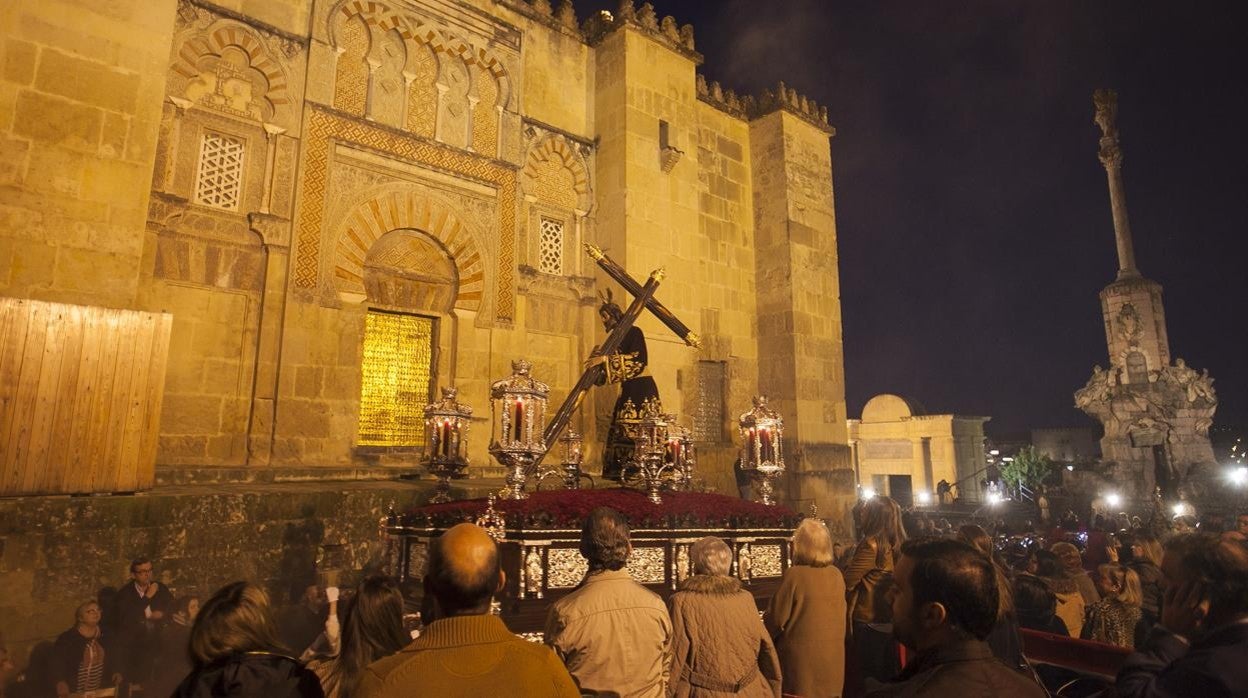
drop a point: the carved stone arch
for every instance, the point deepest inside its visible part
(424, 50)
(407, 209)
(491, 64)
(456, 92)
(205, 51)
(410, 269)
(555, 173)
(376, 15)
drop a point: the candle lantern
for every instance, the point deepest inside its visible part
(681, 455)
(762, 452)
(518, 404)
(446, 441)
(573, 454)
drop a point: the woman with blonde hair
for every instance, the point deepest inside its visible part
(1115, 619)
(868, 578)
(235, 650)
(1144, 557)
(83, 659)
(718, 642)
(806, 616)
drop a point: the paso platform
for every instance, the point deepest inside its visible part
(540, 535)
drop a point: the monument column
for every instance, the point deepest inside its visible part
(1110, 154)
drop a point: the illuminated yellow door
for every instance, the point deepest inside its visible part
(396, 376)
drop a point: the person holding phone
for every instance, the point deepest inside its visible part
(1200, 645)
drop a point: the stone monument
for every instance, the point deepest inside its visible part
(1156, 413)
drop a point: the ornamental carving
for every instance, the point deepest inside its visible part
(648, 565)
(1127, 323)
(766, 560)
(324, 126)
(565, 568)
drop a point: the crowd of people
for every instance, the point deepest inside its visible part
(893, 615)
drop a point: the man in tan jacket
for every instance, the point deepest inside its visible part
(465, 651)
(612, 633)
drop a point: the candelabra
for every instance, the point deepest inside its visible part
(572, 457)
(518, 406)
(446, 431)
(762, 452)
(657, 457)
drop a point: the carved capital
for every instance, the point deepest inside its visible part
(274, 231)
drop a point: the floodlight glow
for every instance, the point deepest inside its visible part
(868, 493)
(1070, 468)
(925, 498)
(994, 452)
(1239, 476)
(1181, 509)
(1007, 459)
(1113, 499)
(994, 498)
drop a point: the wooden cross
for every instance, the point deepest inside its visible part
(643, 299)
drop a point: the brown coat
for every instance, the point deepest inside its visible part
(614, 635)
(719, 646)
(806, 620)
(467, 656)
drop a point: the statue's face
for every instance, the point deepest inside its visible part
(608, 320)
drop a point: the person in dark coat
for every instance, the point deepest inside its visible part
(175, 642)
(945, 603)
(139, 610)
(84, 658)
(1036, 606)
(1201, 644)
(236, 652)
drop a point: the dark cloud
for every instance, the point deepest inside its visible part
(973, 217)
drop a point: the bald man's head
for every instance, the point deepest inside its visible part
(463, 572)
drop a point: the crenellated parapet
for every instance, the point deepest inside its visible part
(562, 18)
(666, 30)
(722, 99)
(788, 99)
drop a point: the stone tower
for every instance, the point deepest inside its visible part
(1156, 413)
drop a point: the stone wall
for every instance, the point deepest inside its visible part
(81, 85)
(56, 552)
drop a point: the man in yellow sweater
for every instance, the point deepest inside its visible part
(466, 651)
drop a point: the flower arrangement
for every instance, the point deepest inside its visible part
(568, 509)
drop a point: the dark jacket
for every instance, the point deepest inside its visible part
(1044, 622)
(1005, 641)
(67, 656)
(964, 670)
(1150, 585)
(254, 674)
(1215, 666)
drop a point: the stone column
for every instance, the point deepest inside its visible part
(274, 233)
(1106, 102)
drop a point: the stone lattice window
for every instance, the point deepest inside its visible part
(395, 376)
(550, 247)
(708, 418)
(220, 179)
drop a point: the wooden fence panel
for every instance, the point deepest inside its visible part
(80, 397)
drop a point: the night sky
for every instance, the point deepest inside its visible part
(972, 213)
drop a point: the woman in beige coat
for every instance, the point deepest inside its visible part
(807, 617)
(719, 646)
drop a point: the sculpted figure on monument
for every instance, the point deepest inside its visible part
(1096, 391)
(1129, 324)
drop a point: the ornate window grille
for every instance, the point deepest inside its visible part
(708, 418)
(550, 247)
(219, 182)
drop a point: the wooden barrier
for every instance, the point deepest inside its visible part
(80, 395)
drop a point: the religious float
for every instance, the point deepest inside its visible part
(539, 538)
(647, 452)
